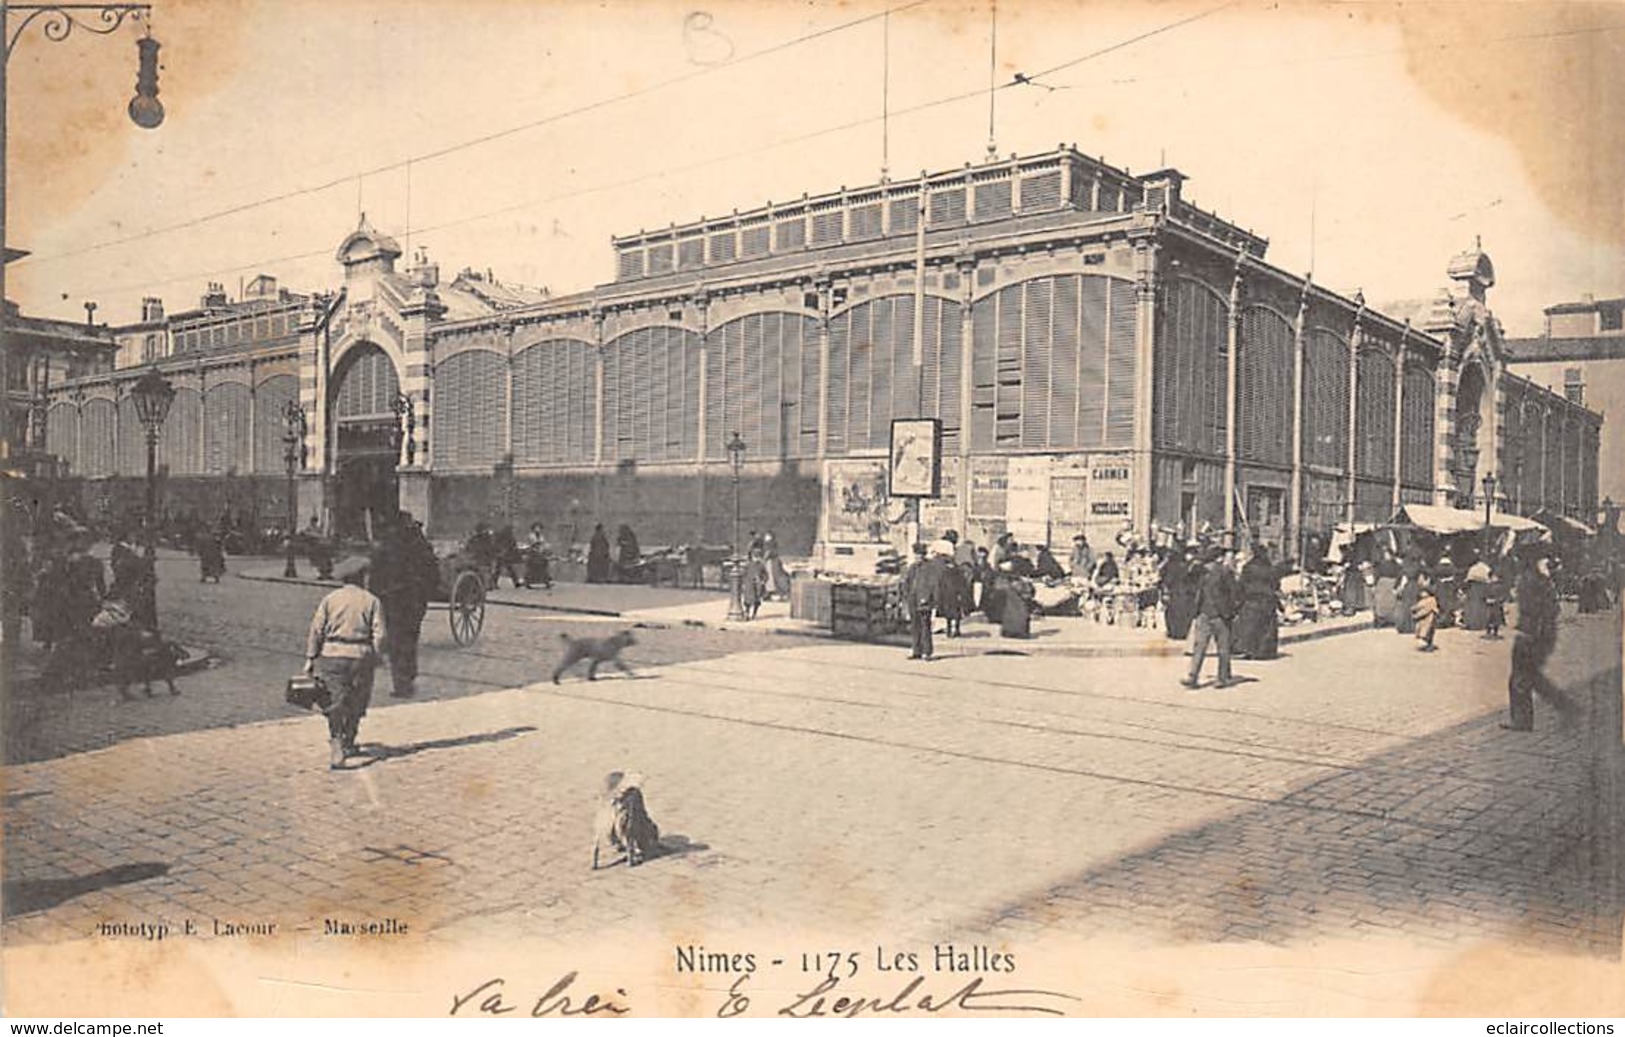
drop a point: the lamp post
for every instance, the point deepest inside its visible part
(293, 456)
(1489, 497)
(736, 565)
(56, 22)
(152, 394)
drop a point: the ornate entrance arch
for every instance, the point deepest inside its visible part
(366, 439)
(1474, 452)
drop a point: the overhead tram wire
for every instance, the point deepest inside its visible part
(473, 142)
(1021, 79)
(1189, 72)
(978, 93)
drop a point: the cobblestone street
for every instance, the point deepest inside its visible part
(1353, 788)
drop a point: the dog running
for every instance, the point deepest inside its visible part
(598, 649)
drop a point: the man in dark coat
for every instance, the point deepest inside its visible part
(505, 558)
(923, 586)
(1216, 605)
(1533, 644)
(404, 576)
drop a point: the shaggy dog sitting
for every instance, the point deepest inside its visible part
(598, 649)
(622, 824)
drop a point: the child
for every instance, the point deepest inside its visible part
(1426, 614)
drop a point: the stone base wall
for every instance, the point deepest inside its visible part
(262, 498)
(662, 505)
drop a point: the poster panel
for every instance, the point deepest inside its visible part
(942, 514)
(855, 501)
(1111, 497)
(989, 488)
(1027, 509)
(915, 468)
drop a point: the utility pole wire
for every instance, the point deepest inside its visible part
(472, 142)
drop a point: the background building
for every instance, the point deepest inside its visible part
(1100, 353)
(1582, 356)
(44, 360)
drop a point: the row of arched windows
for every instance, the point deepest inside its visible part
(1189, 412)
(211, 432)
(1052, 365)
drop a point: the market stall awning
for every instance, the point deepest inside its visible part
(1436, 519)
(1563, 524)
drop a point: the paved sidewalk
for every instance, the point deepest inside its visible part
(822, 788)
(669, 606)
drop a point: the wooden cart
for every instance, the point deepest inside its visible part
(462, 590)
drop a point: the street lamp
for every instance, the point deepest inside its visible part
(736, 565)
(57, 22)
(293, 455)
(1489, 497)
(152, 394)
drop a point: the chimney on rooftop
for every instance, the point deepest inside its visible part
(152, 309)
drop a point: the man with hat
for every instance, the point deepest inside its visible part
(347, 635)
(923, 583)
(1216, 607)
(1533, 644)
(404, 576)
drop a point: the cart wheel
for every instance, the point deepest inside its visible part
(467, 608)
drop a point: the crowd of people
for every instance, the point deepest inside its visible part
(1234, 603)
(93, 620)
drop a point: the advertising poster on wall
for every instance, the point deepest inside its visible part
(989, 488)
(942, 513)
(1111, 496)
(1027, 508)
(914, 469)
(855, 501)
(1068, 498)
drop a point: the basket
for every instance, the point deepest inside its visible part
(306, 690)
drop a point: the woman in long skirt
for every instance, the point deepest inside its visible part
(1179, 592)
(952, 594)
(1410, 578)
(598, 556)
(1258, 627)
(1354, 592)
(1475, 596)
(776, 574)
(1385, 593)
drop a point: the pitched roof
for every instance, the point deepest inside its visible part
(1541, 350)
(1590, 306)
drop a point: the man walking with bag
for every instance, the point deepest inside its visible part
(1217, 601)
(347, 635)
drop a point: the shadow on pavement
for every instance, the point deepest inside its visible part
(1472, 832)
(375, 753)
(26, 896)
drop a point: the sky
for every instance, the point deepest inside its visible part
(1369, 142)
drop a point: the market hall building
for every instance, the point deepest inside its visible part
(1099, 352)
